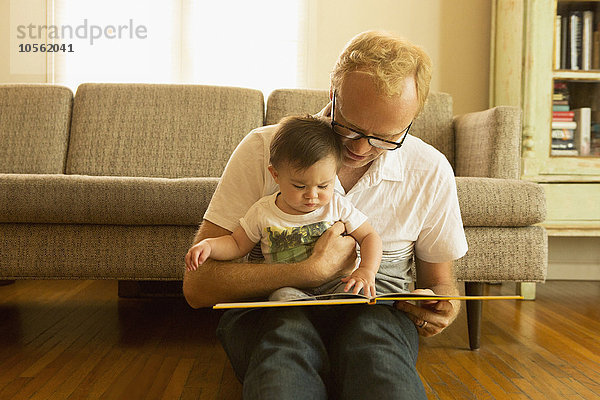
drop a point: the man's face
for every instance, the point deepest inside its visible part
(361, 107)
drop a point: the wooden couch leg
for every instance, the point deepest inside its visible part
(474, 313)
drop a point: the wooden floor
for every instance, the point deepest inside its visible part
(78, 340)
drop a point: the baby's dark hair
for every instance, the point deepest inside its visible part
(301, 141)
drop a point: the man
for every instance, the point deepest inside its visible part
(407, 190)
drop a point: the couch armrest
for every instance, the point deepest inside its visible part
(112, 200)
(488, 143)
(494, 202)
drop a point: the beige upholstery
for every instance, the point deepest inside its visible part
(78, 199)
(123, 199)
(34, 128)
(88, 251)
(171, 131)
(496, 154)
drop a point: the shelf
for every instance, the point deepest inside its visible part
(591, 76)
(523, 75)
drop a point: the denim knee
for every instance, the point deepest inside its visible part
(374, 354)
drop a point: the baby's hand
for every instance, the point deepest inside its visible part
(197, 255)
(361, 278)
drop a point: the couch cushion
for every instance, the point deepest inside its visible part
(500, 202)
(152, 130)
(51, 251)
(34, 128)
(75, 199)
(504, 254)
(433, 125)
(284, 102)
(160, 201)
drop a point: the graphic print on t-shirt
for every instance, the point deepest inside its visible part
(292, 244)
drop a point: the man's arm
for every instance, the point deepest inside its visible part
(438, 278)
(223, 281)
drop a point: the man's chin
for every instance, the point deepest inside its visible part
(352, 163)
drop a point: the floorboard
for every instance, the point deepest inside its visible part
(79, 340)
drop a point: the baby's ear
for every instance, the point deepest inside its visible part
(274, 173)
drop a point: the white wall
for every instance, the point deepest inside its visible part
(456, 34)
(574, 258)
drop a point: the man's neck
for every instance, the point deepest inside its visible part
(350, 176)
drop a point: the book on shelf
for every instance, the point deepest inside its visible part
(587, 37)
(596, 49)
(560, 107)
(564, 153)
(350, 298)
(577, 40)
(564, 124)
(564, 44)
(575, 36)
(563, 144)
(563, 134)
(557, 41)
(563, 114)
(583, 119)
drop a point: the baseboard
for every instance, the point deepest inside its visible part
(574, 271)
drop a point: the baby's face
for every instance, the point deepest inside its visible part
(303, 191)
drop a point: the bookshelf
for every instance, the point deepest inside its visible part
(526, 69)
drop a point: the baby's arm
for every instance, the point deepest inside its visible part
(370, 258)
(227, 247)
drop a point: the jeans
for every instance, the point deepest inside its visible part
(338, 352)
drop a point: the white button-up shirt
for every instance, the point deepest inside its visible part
(409, 196)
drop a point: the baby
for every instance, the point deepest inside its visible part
(305, 156)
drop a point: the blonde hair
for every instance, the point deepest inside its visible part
(388, 59)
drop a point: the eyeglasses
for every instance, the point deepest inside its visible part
(374, 141)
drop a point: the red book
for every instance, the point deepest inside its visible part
(563, 114)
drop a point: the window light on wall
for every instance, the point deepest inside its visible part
(254, 44)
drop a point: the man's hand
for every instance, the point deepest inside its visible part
(430, 316)
(333, 256)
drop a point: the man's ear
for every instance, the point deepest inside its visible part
(274, 174)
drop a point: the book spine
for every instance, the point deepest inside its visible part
(558, 107)
(564, 125)
(557, 44)
(586, 40)
(563, 134)
(563, 152)
(575, 39)
(596, 50)
(563, 114)
(564, 30)
(583, 118)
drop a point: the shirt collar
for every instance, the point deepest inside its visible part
(389, 166)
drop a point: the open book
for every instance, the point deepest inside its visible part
(350, 298)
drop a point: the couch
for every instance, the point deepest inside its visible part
(112, 182)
